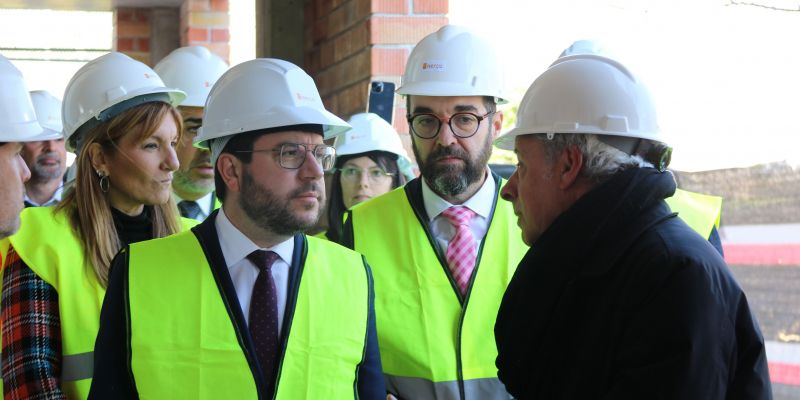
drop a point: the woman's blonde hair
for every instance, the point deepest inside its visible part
(89, 210)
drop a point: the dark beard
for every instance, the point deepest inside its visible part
(272, 213)
(453, 180)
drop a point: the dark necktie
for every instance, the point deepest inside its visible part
(263, 323)
(189, 209)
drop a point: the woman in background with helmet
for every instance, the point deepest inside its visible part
(370, 161)
(122, 123)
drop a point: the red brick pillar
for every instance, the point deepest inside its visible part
(352, 42)
(205, 23)
(132, 33)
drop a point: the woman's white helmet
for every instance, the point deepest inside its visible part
(370, 133)
(48, 112)
(589, 94)
(261, 94)
(193, 69)
(18, 121)
(453, 61)
(107, 86)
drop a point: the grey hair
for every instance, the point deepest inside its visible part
(601, 160)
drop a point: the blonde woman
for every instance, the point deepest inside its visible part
(123, 125)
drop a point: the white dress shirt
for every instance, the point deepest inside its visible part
(235, 248)
(206, 204)
(53, 200)
(480, 203)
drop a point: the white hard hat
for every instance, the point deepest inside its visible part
(264, 93)
(586, 46)
(109, 85)
(48, 112)
(453, 61)
(17, 117)
(586, 93)
(370, 133)
(194, 70)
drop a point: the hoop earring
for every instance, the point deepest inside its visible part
(104, 183)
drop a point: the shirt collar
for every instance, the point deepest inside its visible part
(52, 201)
(205, 202)
(236, 246)
(481, 202)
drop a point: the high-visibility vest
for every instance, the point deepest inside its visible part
(431, 346)
(58, 259)
(184, 343)
(700, 211)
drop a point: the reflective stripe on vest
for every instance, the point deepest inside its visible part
(423, 331)
(59, 261)
(700, 211)
(191, 349)
(418, 388)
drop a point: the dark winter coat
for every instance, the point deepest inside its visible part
(620, 299)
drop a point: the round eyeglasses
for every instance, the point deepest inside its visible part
(293, 155)
(462, 124)
(374, 175)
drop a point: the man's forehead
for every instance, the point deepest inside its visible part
(291, 137)
(446, 103)
(191, 113)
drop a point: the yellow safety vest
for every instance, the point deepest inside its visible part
(59, 261)
(431, 346)
(700, 211)
(191, 349)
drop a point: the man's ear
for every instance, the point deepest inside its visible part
(497, 124)
(230, 170)
(570, 166)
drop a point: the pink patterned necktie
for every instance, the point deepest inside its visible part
(461, 251)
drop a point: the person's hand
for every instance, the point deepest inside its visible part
(390, 397)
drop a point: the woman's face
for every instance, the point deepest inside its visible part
(140, 171)
(361, 180)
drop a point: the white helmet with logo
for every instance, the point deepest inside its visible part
(370, 133)
(264, 93)
(17, 116)
(48, 112)
(589, 94)
(108, 86)
(453, 61)
(194, 70)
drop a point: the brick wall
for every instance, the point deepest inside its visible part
(205, 23)
(132, 33)
(349, 43)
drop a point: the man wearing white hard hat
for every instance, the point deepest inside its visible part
(18, 124)
(617, 298)
(256, 309)
(702, 212)
(47, 156)
(194, 70)
(370, 160)
(444, 247)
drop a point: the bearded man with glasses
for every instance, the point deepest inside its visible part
(443, 248)
(246, 306)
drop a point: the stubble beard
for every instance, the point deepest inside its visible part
(274, 214)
